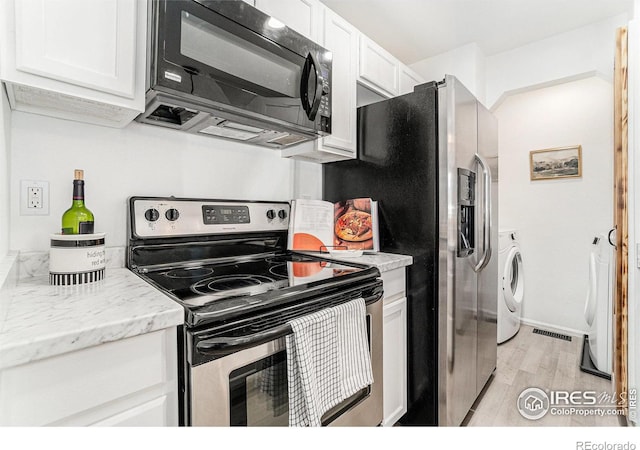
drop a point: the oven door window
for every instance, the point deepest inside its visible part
(258, 393)
(213, 57)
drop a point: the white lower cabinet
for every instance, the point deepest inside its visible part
(148, 414)
(394, 345)
(131, 382)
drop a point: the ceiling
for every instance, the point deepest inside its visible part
(413, 30)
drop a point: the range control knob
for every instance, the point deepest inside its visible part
(271, 214)
(282, 214)
(172, 214)
(151, 214)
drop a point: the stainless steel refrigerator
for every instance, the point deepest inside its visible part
(425, 157)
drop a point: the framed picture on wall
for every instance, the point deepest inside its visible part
(553, 163)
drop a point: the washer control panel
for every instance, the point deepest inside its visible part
(173, 217)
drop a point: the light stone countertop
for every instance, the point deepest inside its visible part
(38, 320)
(383, 261)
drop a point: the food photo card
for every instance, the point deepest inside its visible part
(321, 226)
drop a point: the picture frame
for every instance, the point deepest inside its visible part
(556, 163)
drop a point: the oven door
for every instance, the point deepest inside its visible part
(249, 387)
(228, 52)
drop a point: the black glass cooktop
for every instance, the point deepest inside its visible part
(238, 273)
(199, 285)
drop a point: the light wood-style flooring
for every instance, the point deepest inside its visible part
(533, 360)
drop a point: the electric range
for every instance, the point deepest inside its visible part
(226, 262)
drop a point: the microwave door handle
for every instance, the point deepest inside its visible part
(310, 106)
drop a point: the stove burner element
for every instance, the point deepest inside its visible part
(196, 272)
(279, 270)
(229, 282)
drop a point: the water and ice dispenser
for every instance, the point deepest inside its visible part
(466, 212)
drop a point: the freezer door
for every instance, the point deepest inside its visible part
(397, 165)
(458, 252)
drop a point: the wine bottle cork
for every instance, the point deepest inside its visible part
(78, 174)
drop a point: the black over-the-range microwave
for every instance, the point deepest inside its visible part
(226, 69)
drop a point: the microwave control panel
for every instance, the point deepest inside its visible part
(325, 102)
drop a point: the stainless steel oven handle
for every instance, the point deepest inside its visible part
(222, 345)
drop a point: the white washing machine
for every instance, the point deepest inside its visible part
(598, 307)
(510, 285)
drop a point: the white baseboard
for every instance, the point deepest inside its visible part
(550, 327)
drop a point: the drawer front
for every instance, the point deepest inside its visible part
(53, 389)
(394, 282)
(149, 414)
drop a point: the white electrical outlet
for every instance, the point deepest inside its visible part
(34, 198)
(34, 194)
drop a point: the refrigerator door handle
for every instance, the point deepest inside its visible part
(486, 220)
(451, 330)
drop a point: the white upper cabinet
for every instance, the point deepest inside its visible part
(299, 15)
(97, 51)
(341, 38)
(378, 69)
(75, 59)
(408, 79)
(382, 73)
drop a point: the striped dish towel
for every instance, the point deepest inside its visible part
(328, 360)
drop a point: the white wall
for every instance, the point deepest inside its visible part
(307, 180)
(137, 160)
(557, 219)
(579, 53)
(573, 55)
(5, 142)
(466, 63)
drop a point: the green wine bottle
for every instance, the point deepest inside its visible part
(77, 219)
